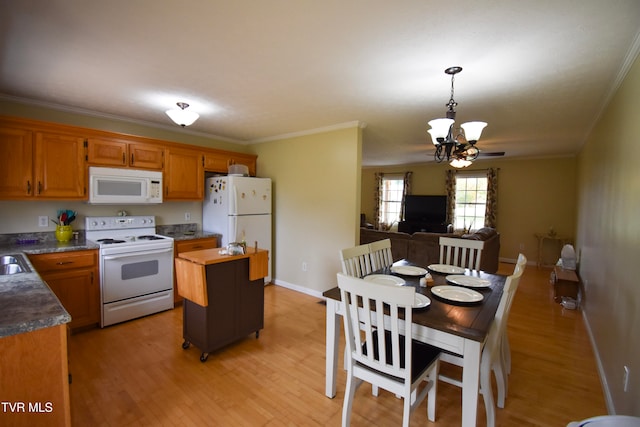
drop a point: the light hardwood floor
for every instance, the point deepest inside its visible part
(137, 374)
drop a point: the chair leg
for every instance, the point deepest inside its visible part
(501, 381)
(349, 394)
(433, 392)
(406, 413)
(487, 394)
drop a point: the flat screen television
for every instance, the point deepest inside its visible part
(426, 209)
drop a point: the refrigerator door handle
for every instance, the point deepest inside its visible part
(233, 205)
(233, 228)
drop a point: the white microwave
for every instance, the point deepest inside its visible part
(124, 186)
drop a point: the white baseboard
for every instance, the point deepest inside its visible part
(603, 379)
(297, 288)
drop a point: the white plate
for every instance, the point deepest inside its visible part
(446, 269)
(457, 294)
(408, 270)
(421, 301)
(470, 281)
(384, 279)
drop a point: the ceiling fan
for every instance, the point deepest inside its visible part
(491, 153)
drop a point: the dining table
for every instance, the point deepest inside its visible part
(458, 326)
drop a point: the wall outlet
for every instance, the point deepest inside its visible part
(187, 216)
(304, 266)
(625, 379)
(43, 221)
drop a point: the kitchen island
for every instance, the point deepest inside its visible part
(223, 296)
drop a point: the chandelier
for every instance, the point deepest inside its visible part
(181, 116)
(456, 146)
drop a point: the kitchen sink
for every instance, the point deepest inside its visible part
(13, 264)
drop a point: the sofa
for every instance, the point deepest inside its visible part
(424, 248)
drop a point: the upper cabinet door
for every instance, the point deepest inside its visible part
(184, 175)
(59, 167)
(118, 153)
(106, 152)
(16, 163)
(146, 156)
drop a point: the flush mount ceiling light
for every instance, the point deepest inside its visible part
(459, 150)
(181, 116)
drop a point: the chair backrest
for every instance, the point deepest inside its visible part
(364, 310)
(461, 252)
(520, 263)
(499, 325)
(356, 261)
(381, 255)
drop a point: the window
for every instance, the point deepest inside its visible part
(471, 201)
(391, 193)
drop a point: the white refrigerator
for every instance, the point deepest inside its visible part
(239, 208)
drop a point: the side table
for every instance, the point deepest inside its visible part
(565, 283)
(560, 240)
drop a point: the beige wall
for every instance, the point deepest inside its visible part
(609, 241)
(316, 190)
(533, 195)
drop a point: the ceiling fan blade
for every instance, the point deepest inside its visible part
(492, 153)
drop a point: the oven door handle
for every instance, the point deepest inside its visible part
(130, 254)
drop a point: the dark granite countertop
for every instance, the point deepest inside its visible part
(192, 235)
(184, 232)
(26, 302)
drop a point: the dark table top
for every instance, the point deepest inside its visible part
(470, 321)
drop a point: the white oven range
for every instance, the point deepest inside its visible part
(136, 267)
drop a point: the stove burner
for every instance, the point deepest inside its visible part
(110, 241)
(149, 237)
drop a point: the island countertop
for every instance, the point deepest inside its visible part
(216, 255)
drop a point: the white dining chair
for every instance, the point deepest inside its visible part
(491, 359)
(465, 253)
(356, 261)
(380, 253)
(383, 356)
(506, 348)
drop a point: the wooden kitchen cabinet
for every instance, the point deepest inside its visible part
(188, 246)
(35, 373)
(245, 159)
(220, 161)
(59, 166)
(44, 165)
(183, 174)
(120, 153)
(73, 277)
(16, 163)
(216, 162)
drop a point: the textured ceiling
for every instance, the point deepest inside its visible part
(539, 72)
